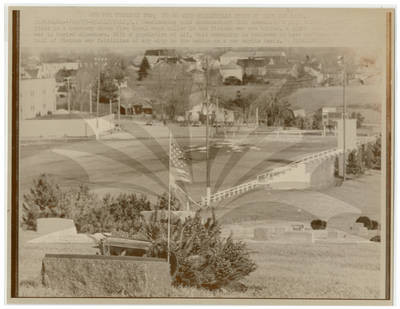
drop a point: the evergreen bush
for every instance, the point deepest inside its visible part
(368, 223)
(42, 201)
(90, 214)
(204, 259)
(318, 224)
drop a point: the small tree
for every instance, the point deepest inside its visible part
(144, 68)
(360, 118)
(355, 163)
(377, 151)
(317, 120)
(42, 201)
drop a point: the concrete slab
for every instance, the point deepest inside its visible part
(64, 237)
(51, 225)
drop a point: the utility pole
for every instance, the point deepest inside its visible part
(100, 61)
(208, 188)
(68, 96)
(119, 101)
(110, 106)
(257, 117)
(98, 93)
(119, 105)
(344, 120)
(90, 99)
(341, 61)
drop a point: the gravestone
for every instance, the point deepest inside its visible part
(51, 225)
(124, 246)
(64, 237)
(101, 276)
(319, 235)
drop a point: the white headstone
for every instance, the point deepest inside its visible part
(51, 225)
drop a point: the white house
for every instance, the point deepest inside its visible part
(37, 97)
(231, 70)
(234, 56)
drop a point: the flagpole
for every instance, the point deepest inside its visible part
(169, 198)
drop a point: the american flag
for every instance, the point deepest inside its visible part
(178, 169)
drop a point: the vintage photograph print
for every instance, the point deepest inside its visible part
(206, 155)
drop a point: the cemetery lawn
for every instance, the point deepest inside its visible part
(283, 270)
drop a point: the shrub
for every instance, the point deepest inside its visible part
(376, 150)
(77, 202)
(120, 213)
(318, 224)
(204, 259)
(374, 225)
(355, 164)
(162, 202)
(42, 201)
(89, 213)
(376, 238)
(365, 220)
(368, 223)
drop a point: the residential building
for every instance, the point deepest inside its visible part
(299, 113)
(29, 72)
(49, 69)
(153, 56)
(231, 71)
(37, 97)
(234, 56)
(268, 56)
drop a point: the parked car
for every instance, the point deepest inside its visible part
(149, 123)
(196, 124)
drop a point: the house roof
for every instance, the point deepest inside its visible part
(238, 54)
(161, 52)
(272, 53)
(254, 54)
(189, 59)
(32, 73)
(230, 66)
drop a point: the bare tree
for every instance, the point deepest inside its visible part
(84, 78)
(171, 84)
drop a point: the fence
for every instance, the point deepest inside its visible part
(266, 178)
(61, 128)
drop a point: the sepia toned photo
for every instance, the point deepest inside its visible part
(200, 155)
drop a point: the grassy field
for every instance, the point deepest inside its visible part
(340, 205)
(142, 165)
(283, 271)
(286, 270)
